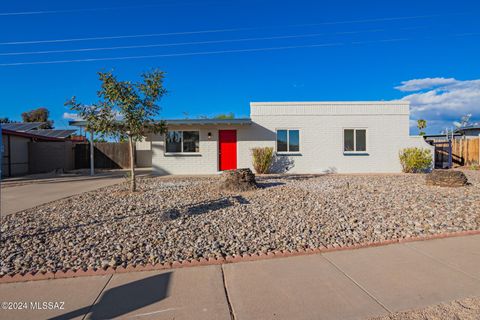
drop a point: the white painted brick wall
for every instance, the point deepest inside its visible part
(321, 138)
(205, 162)
(143, 154)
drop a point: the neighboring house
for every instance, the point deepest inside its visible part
(308, 137)
(24, 149)
(469, 132)
(431, 138)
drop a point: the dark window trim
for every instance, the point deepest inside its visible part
(355, 152)
(297, 152)
(181, 152)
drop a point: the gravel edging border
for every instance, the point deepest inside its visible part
(223, 260)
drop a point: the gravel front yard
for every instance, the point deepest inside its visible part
(465, 309)
(183, 218)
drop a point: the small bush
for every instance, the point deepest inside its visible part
(415, 160)
(262, 159)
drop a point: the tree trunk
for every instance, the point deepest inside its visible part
(133, 182)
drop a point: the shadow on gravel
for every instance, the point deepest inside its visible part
(124, 299)
(199, 208)
(265, 185)
(169, 214)
(205, 207)
(299, 176)
(241, 200)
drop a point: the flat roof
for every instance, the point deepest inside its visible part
(296, 103)
(203, 122)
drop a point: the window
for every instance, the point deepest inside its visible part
(182, 141)
(288, 140)
(355, 140)
(190, 141)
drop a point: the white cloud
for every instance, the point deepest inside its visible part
(118, 116)
(441, 101)
(425, 83)
(71, 116)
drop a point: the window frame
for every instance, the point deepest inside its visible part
(355, 140)
(181, 144)
(288, 141)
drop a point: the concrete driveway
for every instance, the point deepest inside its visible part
(24, 194)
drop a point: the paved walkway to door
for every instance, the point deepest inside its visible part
(25, 194)
(354, 284)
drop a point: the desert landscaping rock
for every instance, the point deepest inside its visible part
(465, 309)
(446, 178)
(179, 218)
(238, 180)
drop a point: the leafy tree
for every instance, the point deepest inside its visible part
(125, 109)
(38, 115)
(6, 120)
(421, 124)
(230, 115)
(99, 139)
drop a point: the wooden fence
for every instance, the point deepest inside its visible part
(466, 152)
(107, 155)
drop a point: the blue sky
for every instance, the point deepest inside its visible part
(264, 50)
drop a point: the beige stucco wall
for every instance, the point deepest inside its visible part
(18, 154)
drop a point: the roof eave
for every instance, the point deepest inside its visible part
(238, 121)
(206, 122)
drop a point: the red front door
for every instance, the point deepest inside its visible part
(227, 149)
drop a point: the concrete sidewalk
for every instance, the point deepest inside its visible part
(355, 284)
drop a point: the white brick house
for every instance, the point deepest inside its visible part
(308, 137)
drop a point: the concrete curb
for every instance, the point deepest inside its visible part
(222, 260)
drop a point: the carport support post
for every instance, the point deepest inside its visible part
(450, 163)
(92, 168)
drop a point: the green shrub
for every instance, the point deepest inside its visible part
(262, 159)
(415, 160)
